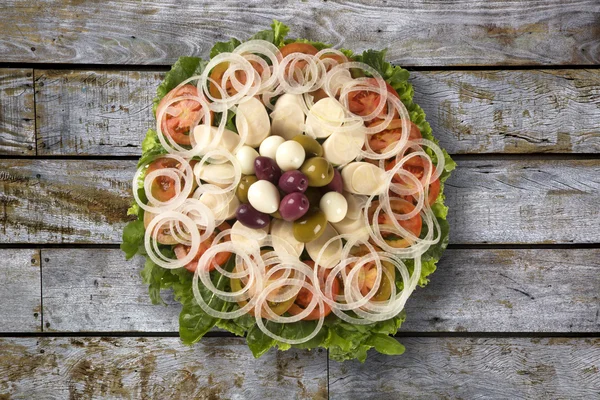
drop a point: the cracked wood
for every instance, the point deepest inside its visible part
(17, 136)
(553, 111)
(96, 290)
(544, 32)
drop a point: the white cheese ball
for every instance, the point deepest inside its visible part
(290, 155)
(269, 146)
(334, 205)
(246, 156)
(264, 196)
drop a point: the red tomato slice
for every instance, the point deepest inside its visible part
(181, 115)
(303, 48)
(304, 298)
(163, 188)
(381, 140)
(364, 102)
(182, 251)
(415, 166)
(399, 206)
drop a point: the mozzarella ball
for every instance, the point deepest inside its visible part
(269, 146)
(290, 155)
(334, 205)
(264, 196)
(246, 156)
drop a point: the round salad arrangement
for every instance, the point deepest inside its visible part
(290, 193)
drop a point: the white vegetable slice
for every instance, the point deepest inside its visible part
(221, 175)
(252, 116)
(324, 118)
(342, 147)
(282, 231)
(288, 117)
(222, 205)
(331, 254)
(243, 236)
(368, 179)
(349, 226)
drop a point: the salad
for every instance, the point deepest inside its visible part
(290, 193)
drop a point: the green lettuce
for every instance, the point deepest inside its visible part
(344, 341)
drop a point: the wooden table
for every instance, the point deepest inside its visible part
(512, 90)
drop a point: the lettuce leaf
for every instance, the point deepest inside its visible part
(183, 68)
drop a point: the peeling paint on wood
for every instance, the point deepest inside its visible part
(106, 113)
(545, 111)
(17, 136)
(20, 300)
(472, 290)
(496, 201)
(469, 368)
(478, 33)
(155, 368)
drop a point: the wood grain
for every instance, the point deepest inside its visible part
(495, 201)
(94, 113)
(94, 290)
(17, 118)
(469, 368)
(155, 368)
(417, 33)
(20, 295)
(552, 111)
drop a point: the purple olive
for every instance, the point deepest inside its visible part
(251, 217)
(293, 181)
(266, 168)
(336, 184)
(293, 206)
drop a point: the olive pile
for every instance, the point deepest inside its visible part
(293, 186)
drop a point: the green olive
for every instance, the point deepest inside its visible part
(318, 170)
(242, 189)
(312, 148)
(314, 196)
(311, 226)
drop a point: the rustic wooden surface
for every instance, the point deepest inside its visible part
(513, 310)
(155, 368)
(17, 125)
(492, 201)
(475, 368)
(472, 291)
(20, 300)
(416, 33)
(472, 112)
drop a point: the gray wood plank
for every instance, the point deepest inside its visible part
(93, 290)
(550, 111)
(20, 294)
(475, 368)
(98, 291)
(17, 118)
(417, 33)
(495, 201)
(155, 368)
(553, 111)
(94, 113)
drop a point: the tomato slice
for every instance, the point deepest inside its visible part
(416, 167)
(180, 116)
(364, 102)
(381, 140)
(163, 188)
(221, 258)
(217, 75)
(399, 206)
(303, 48)
(304, 297)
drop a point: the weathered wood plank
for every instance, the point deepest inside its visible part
(554, 111)
(473, 291)
(495, 201)
(462, 368)
(98, 291)
(17, 118)
(155, 368)
(20, 296)
(551, 111)
(419, 33)
(98, 113)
